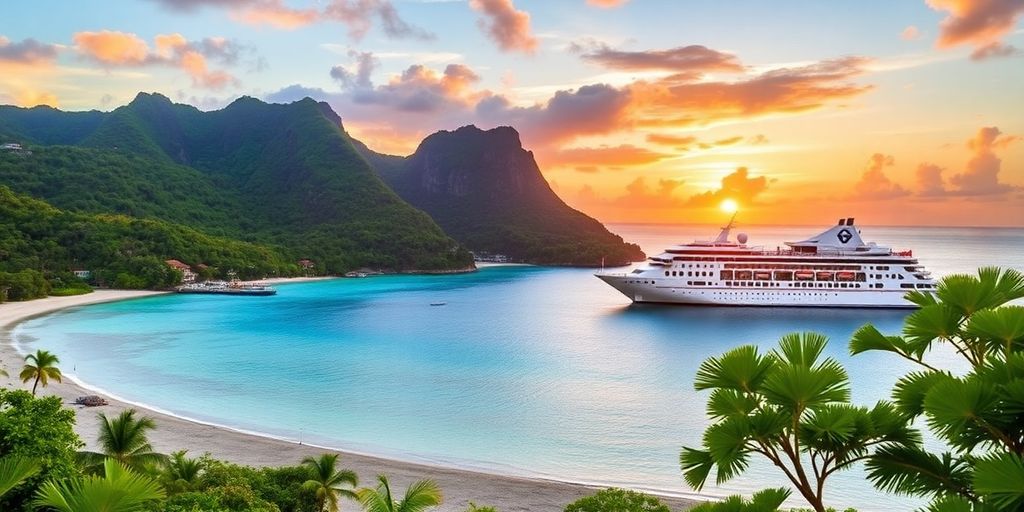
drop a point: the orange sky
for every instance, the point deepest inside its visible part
(638, 111)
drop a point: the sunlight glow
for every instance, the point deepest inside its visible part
(729, 206)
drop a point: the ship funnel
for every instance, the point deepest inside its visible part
(849, 221)
(842, 222)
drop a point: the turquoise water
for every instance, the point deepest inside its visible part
(536, 371)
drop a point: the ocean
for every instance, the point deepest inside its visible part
(544, 372)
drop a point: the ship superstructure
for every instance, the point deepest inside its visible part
(834, 268)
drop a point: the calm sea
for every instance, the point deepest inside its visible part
(534, 371)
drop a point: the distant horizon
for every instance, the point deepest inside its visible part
(637, 111)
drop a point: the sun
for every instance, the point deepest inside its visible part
(729, 206)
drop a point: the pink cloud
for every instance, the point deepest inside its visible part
(508, 27)
(606, 4)
(978, 23)
(691, 60)
(874, 184)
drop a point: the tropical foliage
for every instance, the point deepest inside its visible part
(124, 439)
(328, 482)
(15, 470)
(978, 415)
(617, 500)
(119, 490)
(40, 429)
(40, 368)
(791, 406)
(419, 496)
(765, 500)
(41, 244)
(282, 176)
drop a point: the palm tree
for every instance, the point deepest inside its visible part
(327, 481)
(124, 440)
(182, 472)
(41, 366)
(14, 470)
(418, 497)
(119, 490)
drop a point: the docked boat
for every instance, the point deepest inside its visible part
(225, 288)
(834, 268)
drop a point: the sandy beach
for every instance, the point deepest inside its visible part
(459, 487)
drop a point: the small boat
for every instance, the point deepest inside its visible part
(804, 276)
(355, 274)
(845, 276)
(233, 288)
(438, 303)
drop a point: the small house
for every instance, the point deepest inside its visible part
(187, 274)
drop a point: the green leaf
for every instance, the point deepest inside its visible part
(725, 403)
(801, 349)
(999, 327)
(696, 466)
(742, 369)
(14, 470)
(768, 499)
(957, 408)
(831, 427)
(796, 388)
(915, 472)
(1000, 479)
(929, 323)
(910, 390)
(868, 338)
(727, 443)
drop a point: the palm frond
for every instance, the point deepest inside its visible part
(1002, 329)
(1000, 480)
(14, 470)
(420, 496)
(696, 465)
(801, 348)
(913, 471)
(910, 390)
(742, 369)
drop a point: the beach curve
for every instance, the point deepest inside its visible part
(460, 486)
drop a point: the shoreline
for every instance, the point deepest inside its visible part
(174, 432)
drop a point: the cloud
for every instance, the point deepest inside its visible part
(588, 110)
(910, 33)
(505, 25)
(28, 51)
(681, 142)
(874, 184)
(111, 47)
(593, 158)
(737, 185)
(123, 49)
(361, 77)
(672, 101)
(275, 14)
(693, 60)
(606, 4)
(982, 174)
(978, 23)
(357, 15)
(27, 97)
(929, 180)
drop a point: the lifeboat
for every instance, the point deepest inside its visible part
(823, 276)
(763, 276)
(804, 275)
(845, 276)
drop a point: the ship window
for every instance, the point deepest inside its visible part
(907, 285)
(638, 271)
(666, 273)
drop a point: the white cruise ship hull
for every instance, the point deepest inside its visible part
(675, 291)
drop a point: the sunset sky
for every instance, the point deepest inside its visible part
(908, 112)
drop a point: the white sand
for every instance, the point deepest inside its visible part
(508, 494)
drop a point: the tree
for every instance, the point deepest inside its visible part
(327, 481)
(793, 407)
(119, 490)
(182, 473)
(40, 429)
(765, 500)
(617, 500)
(124, 439)
(419, 496)
(980, 415)
(41, 366)
(15, 470)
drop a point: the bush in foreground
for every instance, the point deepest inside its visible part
(617, 500)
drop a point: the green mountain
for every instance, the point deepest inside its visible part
(278, 174)
(39, 244)
(487, 192)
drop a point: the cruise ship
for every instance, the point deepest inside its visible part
(832, 269)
